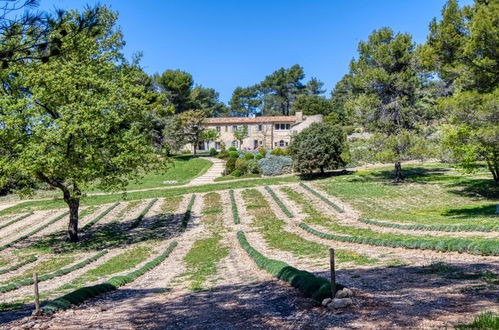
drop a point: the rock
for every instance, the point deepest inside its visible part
(345, 293)
(340, 303)
(326, 301)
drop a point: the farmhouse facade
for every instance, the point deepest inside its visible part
(268, 132)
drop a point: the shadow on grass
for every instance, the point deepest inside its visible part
(472, 212)
(321, 176)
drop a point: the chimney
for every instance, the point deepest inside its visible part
(299, 116)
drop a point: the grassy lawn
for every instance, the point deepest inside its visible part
(433, 194)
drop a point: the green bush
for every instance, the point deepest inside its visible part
(16, 220)
(223, 152)
(262, 151)
(242, 165)
(277, 152)
(232, 149)
(187, 214)
(448, 228)
(249, 156)
(230, 165)
(237, 173)
(85, 293)
(258, 157)
(235, 212)
(233, 154)
(142, 214)
(252, 166)
(312, 286)
(19, 265)
(213, 152)
(186, 152)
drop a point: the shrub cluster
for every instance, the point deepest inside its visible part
(187, 214)
(322, 197)
(239, 164)
(312, 286)
(470, 227)
(45, 277)
(59, 217)
(482, 247)
(100, 216)
(279, 202)
(16, 220)
(142, 214)
(235, 212)
(19, 265)
(275, 165)
(82, 294)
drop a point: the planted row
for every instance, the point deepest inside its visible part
(470, 227)
(480, 247)
(142, 214)
(99, 217)
(16, 220)
(279, 202)
(82, 294)
(59, 217)
(19, 265)
(45, 277)
(312, 286)
(322, 197)
(235, 212)
(187, 214)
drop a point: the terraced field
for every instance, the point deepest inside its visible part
(234, 258)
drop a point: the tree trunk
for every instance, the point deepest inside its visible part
(322, 169)
(398, 173)
(74, 204)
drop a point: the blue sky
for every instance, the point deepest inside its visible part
(225, 44)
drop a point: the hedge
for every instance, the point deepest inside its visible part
(16, 220)
(59, 217)
(235, 212)
(142, 214)
(449, 228)
(322, 197)
(82, 294)
(100, 216)
(482, 247)
(187, 214)
(279, 202)
(19, 265)
(45, 277)
(312, 286)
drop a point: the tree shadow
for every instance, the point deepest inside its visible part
(472, 212)
(321, 176)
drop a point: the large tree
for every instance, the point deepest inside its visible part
(177, 87)
(192, 127)
(77, 120)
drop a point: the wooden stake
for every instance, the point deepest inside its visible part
(333, 272)
(37, 311)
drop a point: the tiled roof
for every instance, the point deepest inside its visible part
(251, 120)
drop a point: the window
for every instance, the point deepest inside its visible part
(260, 127)
(234, 128)
(226, 128)
(218, 128)
(275, 144)
(201, 145)
(282, 127)
(218, 145)
(234, 144)
(281, 143)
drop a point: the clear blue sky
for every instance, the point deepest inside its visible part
(230, 43)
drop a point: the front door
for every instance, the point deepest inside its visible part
(255, 144)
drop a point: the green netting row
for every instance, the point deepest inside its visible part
(16, 220)
(470, 227)
(235, 212)
(480, 247)
(187, 214)
(312, 286)
(142, 214)
(19, 265)
(45, 277)
(99, 217)
(82, 294)
(279, 202)
(323, 198)
(3, 247)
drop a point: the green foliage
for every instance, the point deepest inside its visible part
(232, 149)
(235, 212)
(230, 165)
(213, 152)
(19, 265)
(262, 151)
(487, 320)
(277, 152)
(142, 214)
(322, 197)
(249, 156)
(312, 105)
(99, 217)
(176, 85)
(187, 214)
(258, 157)
(45, 277)
(320, 145)
(85, 293)
(450, 228)
(233, 154)
(279, 202)
(24, 216)
(240, 134)
(237, 173)
(312, 286)
(253, 167)
(192, 127)
(275, 165)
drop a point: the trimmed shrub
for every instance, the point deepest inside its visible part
(277, 152)
(322, 197)
(100, 216)
(234, 154)
(258, 157)
(241, 165)
(230, 165)
(232, 149)
(187, 214)
(249, 156)
(59, 217)
(279, 202)
(85, 293)
(19, 265)
(213, 152)
(16, 220)
(448, 228)
(186, 152)
(252, 166)
(262, 151)
(44, 277)
(318, 288)
(237, 173)
(142, 214)
(235, 212)
(275, 165)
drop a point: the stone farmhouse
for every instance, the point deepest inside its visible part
(267, 132)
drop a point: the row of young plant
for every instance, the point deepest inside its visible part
(142, 214)
(82, 294)
(45, 277)
(18, 265)
(317, 288)
(42, 227)
(235, 212)
(187, 214)
(99, 217)
(13, 221)
(279, 202)
(322, 197)
(448, 228)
